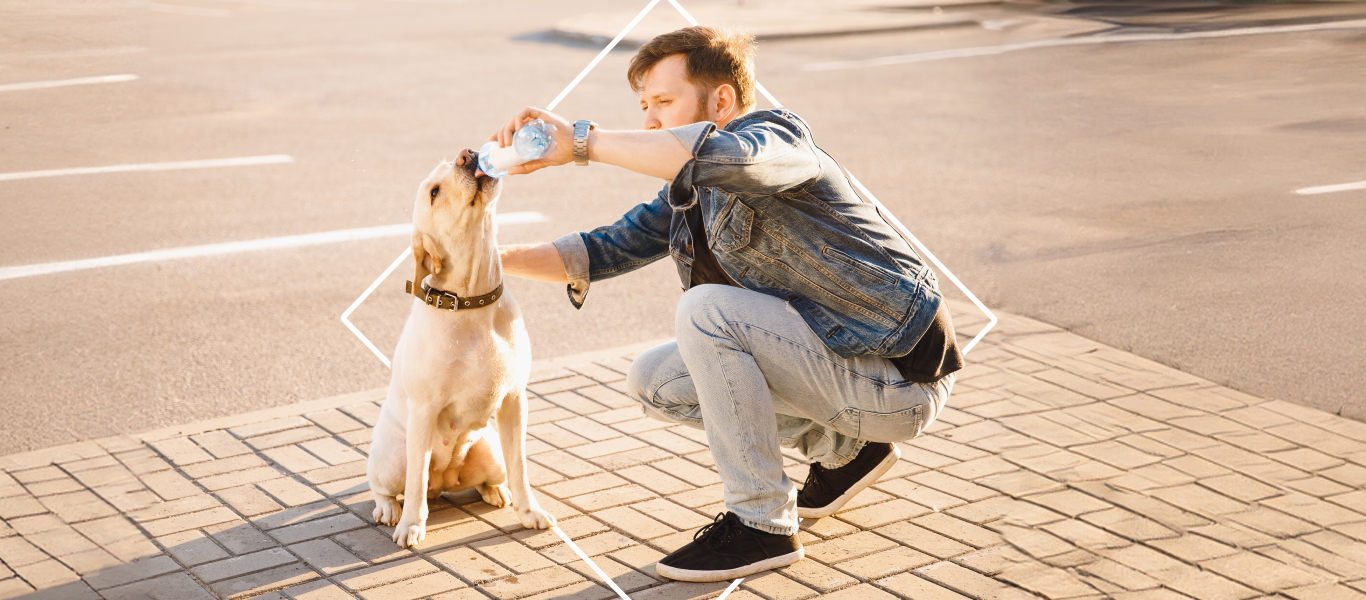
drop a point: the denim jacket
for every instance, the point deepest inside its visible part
(782, 219)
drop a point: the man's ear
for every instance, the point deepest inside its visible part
(727, 101)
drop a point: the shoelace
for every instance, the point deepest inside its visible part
(721, 531)
(815, 478)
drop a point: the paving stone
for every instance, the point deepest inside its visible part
(869, 517)
(924, 540)
(79, 506)
(817, 576)
(192, 547)
(60, 541)
(137, 570)
(848, 547)
(182, 451)
(220, 444)
(335, 421)
(193, 520)
(953, 486)
(885, 563)
(565, 464)
(288, 436)
(239, 537)
(371, 545)
(241, 565)
(293, 459)
(1259, 572)
(531, 583)
(326, 556)
(626, 578)
(961, 580)
(170, 485)
(655, 480)
(248, 500)
(264, 581)
(179, 586)
(958, 529)
(574, 528)
(910, 585)
(418, 587)
(456, 535)
(512, 554)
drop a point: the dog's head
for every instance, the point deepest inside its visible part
(452, 204)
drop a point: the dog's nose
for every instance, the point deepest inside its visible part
(466, 155)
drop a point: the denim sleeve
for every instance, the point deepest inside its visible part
(765, 155)
(638, 238)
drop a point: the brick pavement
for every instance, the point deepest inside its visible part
(1062, 468)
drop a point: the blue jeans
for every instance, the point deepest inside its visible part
(746, 369)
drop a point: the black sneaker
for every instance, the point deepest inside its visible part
(728, 549)
(827, 490)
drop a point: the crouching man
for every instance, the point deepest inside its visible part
(808, 321)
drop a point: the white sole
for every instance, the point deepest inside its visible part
(859, 486)
(677, 574)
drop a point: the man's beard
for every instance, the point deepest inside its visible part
(701, 114)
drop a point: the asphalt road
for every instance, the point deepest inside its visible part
(1139, 194)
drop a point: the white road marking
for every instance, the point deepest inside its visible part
(110, 51)
(217, 13)
(288, 241)
(1074, 41)
(731, 588)
(38, 85)
(271, 159)
(1329, 189)
(593, 565)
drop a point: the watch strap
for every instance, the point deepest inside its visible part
(581, 129)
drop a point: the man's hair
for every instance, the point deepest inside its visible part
(714, 56)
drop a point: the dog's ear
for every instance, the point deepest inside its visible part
(420, 255)
(433, 260)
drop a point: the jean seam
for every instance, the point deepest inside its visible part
(807, 350)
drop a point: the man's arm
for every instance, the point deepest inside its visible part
(765, 155)
(540, 262)
(654, 153)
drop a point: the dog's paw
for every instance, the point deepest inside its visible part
(495, 495)
(387, 510)
(535, 518)
(409, 534)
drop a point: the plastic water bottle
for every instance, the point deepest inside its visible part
(534, 140)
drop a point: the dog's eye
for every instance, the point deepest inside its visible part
(436, 189)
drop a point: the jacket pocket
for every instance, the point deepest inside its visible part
(732, 229)
(880, 427)
(859, 266)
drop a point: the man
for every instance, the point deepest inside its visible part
(798, 292)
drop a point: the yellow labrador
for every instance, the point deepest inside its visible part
(455, 414)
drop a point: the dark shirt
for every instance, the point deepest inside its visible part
(934, 356)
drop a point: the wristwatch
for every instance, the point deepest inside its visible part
(581, 128)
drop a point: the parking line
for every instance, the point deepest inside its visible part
(288, 241)
(272, 159)
(1075, 41)
(38, 85)
(1328, 189)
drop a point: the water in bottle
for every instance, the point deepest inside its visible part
(534, 140)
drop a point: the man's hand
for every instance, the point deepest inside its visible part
(564, 139)
(654, 153)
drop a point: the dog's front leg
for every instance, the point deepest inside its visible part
(512, 433)
(412, 526)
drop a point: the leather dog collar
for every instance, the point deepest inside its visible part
(447, 301)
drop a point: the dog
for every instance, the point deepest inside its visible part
(454, 417)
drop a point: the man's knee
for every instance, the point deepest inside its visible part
(651, 370)
(697, 308)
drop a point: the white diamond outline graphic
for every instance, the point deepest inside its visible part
(887, 214)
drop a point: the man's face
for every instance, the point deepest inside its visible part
(668, 98)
